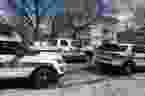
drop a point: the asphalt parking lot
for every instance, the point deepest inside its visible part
(112, 87)
(86, 81)
(71, 79)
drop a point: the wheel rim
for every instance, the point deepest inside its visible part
(128, 68)
(41, 78)
(43, 74)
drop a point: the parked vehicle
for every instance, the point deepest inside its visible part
(39, 66)
(116, 55)
(137, 40)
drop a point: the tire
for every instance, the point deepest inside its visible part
(129, 67)
(41, 77)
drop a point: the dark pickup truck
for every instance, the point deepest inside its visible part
(115, 55)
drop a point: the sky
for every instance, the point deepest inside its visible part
(46, 7)
(43, 7)
(6, 9)
(56, 7)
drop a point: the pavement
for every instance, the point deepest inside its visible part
(115, 87)
(71, 80)
(81, 80)
(127, 87)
